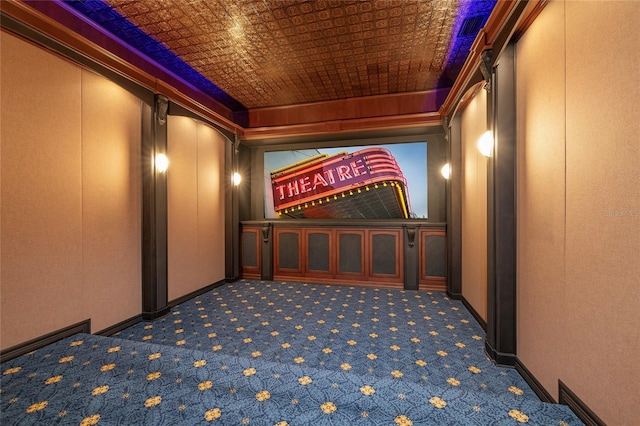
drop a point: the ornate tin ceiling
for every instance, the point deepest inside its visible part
(263, 53)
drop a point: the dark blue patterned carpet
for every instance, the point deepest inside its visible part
(267, 353)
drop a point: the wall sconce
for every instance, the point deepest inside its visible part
(485, 143)
(446, 171)
(236, 179)
(162, 163)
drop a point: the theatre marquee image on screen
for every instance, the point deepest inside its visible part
(366, 184)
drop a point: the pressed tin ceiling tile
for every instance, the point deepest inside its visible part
(261, 53)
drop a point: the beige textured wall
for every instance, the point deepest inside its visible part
(541, 196)
(196, 206)
(111, 202)
(68, 253)
(41, 268)
(474, 205)
(579, 298)
(211, 257)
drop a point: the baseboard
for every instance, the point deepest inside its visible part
(537, 387)
(110, 331)
(196, 293)
(454, 296)
(501, 359)
(155, 315)
(47, 339)
(584, 413)
(475, 314)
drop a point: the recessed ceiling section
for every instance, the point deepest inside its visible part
(250, 54)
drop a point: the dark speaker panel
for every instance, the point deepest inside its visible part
(383, 255)
(436, 255)
(249, 249)
(318, 246)
(288, 250)
(350, 253)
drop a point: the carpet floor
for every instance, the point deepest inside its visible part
(275, 353)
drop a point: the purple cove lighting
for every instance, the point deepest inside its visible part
(471, 17)
(103, 15)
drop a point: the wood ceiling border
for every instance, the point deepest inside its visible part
(271, 123)
(70, 30)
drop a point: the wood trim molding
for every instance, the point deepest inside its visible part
(584, 413)
(473, 311)
(374, 113)
(196, 293)
(47, 339)
(59, 24)
(566, 396)
(395, 104)
(529, 15)
(501, 359)
(494, 35)
(110, 331)
(421, 120)
(535, 385)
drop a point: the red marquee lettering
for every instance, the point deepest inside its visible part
(343, 172)
(329, 174)
(318, 180)
(304, 184)
(358, 167)
(293, 188)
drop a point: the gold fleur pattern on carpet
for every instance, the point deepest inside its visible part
(367, 390)
(403, 421)
(37, 406)
(328, 407)
(286, 353)
(51, 380)
(263, 396)
(437, 402)
(212, 414)
(152, 402)
(520, 417)
(91, 420)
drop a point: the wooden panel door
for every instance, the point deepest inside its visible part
(288, 253)
(319, 253)
(433, 260)
(385, 256)
(351, 255)
(250, 253)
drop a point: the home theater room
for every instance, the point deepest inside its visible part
(319, 212)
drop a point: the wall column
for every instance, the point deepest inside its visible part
(500, 343)
(232, 213)
(154, 211)
(454, 209)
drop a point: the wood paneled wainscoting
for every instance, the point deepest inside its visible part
(407, 255)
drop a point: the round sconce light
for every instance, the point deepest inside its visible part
(236, 178)
(485, 144)
(446, 171)
(162, 163)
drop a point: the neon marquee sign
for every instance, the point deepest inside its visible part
(310, 181)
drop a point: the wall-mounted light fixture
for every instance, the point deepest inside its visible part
(236, 178)
(446, 171)
(161, 163)
(485, 143)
